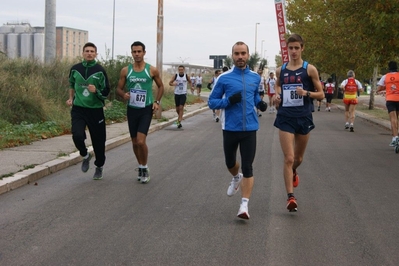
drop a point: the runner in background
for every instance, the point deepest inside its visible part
(329, 92)
(270, 82)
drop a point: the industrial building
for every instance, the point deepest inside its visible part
(21, 40)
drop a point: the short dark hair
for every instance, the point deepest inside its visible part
(240, 43)
(137, 43)
(180, 66)
(295, 38)
(89, 44)
(329, 80)
(392, 65)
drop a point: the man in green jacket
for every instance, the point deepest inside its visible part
(89, 87)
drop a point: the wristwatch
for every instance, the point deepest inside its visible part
(308, 93)
(158, 102)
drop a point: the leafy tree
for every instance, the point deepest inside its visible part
(347, 34)
(278, 60)
(253, 60)
(228, 61)
(263, 63)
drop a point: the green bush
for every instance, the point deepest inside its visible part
(33, 98)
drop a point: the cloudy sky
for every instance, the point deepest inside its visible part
(193, 29)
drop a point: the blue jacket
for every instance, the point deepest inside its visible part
(239, 116)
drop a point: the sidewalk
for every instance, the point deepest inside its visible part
(45, 157)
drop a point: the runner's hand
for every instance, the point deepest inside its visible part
(235, 98)
(262, 106)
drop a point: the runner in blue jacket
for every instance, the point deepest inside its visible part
(240, 116)
(236, 94)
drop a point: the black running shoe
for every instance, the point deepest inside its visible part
(86, 163)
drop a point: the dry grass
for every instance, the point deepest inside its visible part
(377, 112)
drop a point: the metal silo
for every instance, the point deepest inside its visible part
(3, 42)
(6, 29)
(38, 46)
(12, 45)
(21, 28)
(26, 45)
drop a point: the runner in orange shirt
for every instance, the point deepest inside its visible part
(390, 83)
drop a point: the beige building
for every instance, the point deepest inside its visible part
(69, 41)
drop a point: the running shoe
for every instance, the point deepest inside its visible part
(351, 129)
(145, 176)
(295, 181)
(140, 174)
(98, 174)
(234, 185)
(292, 206)
(243, 212)
(86, 163)
(393, 142)
(217, 119)
(346, 126)
(179, 125)
(318, 108)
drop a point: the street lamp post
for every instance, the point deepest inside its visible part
(261, 49)
(256, 34)
(113, 32)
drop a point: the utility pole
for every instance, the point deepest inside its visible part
(160, 46)
(50, 31)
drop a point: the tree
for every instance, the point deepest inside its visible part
(350, 34)
(278, 60)
(346, 34)
(228, 61)
(253, 61)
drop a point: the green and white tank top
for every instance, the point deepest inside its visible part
(139, 84)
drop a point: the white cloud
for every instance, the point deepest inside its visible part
(193, 29)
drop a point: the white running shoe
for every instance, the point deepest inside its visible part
(393, 142)
(234, 185)
(243, 212)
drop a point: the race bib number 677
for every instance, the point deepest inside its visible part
(290, 97)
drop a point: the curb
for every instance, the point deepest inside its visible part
(31, 175)
(384, 123)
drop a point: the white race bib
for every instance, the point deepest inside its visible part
(290, 97)
(180, 86)
(137, 98)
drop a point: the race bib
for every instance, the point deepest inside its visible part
(180, 86)
(137, 98)
(290, 97)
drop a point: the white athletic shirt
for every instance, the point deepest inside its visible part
(193, 80)
(181, 87)
(262, 84)
(198, 80)
(271, 83)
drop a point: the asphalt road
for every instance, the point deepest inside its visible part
(347, 196)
